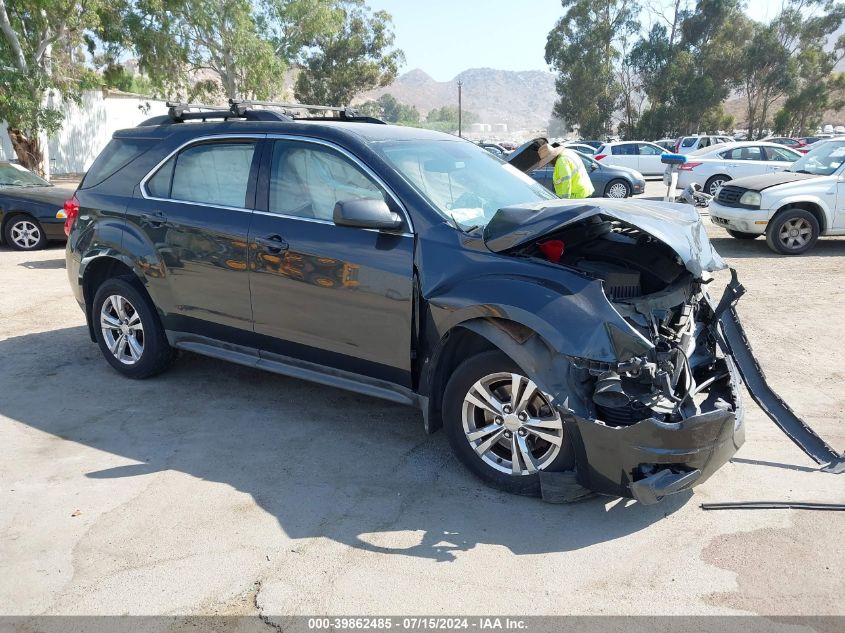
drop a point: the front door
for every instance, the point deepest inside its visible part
(334, 295)
(195, 213)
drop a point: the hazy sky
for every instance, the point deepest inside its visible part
(444, 37)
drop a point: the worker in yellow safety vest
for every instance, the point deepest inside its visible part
(570, 177)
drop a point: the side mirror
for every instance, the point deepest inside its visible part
(366, 214)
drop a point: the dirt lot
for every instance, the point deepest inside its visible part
(217, 489)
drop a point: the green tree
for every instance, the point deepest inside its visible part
(816, 88)
(769, 72)
(688, 64)
(388, 108)
(357, 57)
(584, 48)
(42, 58)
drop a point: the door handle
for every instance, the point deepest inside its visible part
(272, 243)
(156, 218)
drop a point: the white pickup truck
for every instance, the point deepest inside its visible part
(792, 208)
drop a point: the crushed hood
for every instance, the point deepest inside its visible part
(677, 225)
(764, 181)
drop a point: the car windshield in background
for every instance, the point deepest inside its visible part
(12, 175)
(822, 161)
(463, 182)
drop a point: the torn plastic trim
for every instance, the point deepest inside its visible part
(679, 226)
(735, 341)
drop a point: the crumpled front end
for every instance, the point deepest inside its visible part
(666, 413)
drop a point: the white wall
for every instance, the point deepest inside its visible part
(87, 128)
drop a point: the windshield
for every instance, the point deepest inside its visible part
(462, 181)
(821, 161)
(12, 175)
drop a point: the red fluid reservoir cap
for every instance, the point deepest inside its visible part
(552, 249)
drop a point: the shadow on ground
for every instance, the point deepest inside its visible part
(742, 249)
(323, 462)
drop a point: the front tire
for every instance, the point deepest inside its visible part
(792, 232)
(617, 189)
(128, 329)
(742, 235)
(24, 233)
(505, 439)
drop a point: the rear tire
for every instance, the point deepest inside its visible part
(714, 182)
(792, 232)
(128, 329)
(742, 235)
(24, 233)
(487, 443)
(617, 188)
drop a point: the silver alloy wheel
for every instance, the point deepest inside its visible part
(25, 233)
(617, 190)
(511, 424)
(795, 234)
(714, 186)
(122, 329)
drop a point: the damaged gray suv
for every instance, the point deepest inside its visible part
(545, 336)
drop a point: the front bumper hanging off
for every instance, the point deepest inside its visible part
(652, 459)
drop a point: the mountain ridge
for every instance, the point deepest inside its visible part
(522, 99)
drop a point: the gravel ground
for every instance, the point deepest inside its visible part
(216, 489)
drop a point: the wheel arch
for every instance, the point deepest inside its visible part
(807, 205)
(522, 344)
(96, 271)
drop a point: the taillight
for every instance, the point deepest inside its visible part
(600, 156)
(688, 166)
(71, 210)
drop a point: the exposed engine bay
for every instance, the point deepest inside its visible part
(685, 373)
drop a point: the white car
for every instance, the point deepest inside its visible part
(637, 155)
(792, 208)
(712, 167)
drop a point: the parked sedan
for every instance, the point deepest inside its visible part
(714, 166)
(637, 155)
(31, 209)
(608, 181)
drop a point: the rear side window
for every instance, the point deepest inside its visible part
(159, 185)
(689, 141)
(116, 155)
(212, 173)
(626, 149)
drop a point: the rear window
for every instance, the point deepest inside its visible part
(116, 155)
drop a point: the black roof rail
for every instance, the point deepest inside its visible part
(339, 113)
(178, 112)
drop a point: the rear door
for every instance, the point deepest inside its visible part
(749, 160)
(194, 211)
(649, 159)
(625, 155)
(334, 295)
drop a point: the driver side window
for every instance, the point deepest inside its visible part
(307, 180)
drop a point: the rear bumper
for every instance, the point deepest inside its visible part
(651, 459)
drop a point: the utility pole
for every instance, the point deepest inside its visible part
(460, 83)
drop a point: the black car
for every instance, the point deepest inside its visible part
(609, 181)
(544, 335)
(31, 209)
